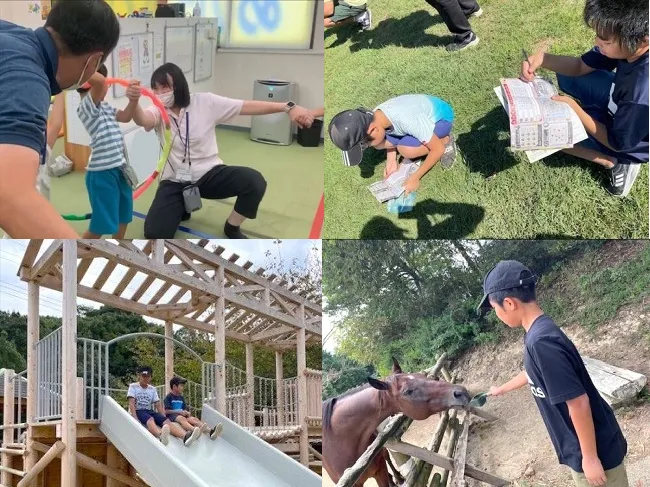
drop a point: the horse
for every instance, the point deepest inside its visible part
(350, 420)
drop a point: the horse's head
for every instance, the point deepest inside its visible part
(418, 396)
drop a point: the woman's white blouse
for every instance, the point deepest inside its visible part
(206, 111)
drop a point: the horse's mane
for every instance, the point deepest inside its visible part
(328, 405)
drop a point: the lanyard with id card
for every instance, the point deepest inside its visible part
(191, 194)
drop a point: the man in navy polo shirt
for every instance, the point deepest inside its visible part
(36, 64)
(613, 107)
(582, 426)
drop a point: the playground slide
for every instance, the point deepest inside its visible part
(236, 459)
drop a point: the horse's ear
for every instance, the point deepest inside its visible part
(378, 384)
(396, 368)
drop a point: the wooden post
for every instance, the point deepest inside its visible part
(69, 365)
(50, 455)
(33, 334)
(458, 478)
(158, 250)
(169, 352)
(116, 461)
(8, 419)
(302, 389)
(454, 427)
(279, 387)
(250, 387)
(220, 343)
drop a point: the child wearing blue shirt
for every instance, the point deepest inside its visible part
(177, 410)
(612, 106)
(109, 192)
(414, 126)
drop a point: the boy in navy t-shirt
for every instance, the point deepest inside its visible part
(178, 411)
(613, 107)
(582, 426)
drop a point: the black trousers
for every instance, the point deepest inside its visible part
(168, 207)
(455, 13)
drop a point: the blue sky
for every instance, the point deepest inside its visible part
(13, 291)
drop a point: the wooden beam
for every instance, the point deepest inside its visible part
(129, 245)
(283, 304)
(301, 365)
(116, 461)
(220, 343)
(124, 282)
(8, 419)
(188, 262)
(43, 265)
(273, 332)
(444, 462)
(82, 268)
(247, 289)
(50, 454)
(209, 257)
(108, 269)
(460, 457)
(69, 364)
(33, 247)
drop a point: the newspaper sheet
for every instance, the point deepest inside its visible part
(393, 186)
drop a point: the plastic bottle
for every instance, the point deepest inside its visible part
(197, 10)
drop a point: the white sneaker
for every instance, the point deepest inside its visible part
(365, 19)
(478, 13)
(164, 434)
(216, 431)
(192, 437)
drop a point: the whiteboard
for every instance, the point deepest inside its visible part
(203, 52)
(133, 58)
(178, 47)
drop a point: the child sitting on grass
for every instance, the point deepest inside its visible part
(177, 410)
(110, 194)
(613, 107)
(345, 12)
(582, 426)
(415, 126)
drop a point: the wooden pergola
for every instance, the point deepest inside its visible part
(190, 286)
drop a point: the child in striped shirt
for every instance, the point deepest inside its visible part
(110, 194)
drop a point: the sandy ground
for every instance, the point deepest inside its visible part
(517, 447)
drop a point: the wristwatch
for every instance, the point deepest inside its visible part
(289, 106)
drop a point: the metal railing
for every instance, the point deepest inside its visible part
(92, 366)
(49, 351)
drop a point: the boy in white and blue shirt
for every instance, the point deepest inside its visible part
(109, 192)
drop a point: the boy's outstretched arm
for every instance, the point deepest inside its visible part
(519, 381)
(436, 149)
(133, 93)
(24, 212)
(583, 422)
(566, 65)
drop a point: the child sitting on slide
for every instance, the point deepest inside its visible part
(109, 192)
(177, 410)
(145, 407)
(415, 126)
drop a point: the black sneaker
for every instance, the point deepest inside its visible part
(471, 41)
(365, 19)
(449, 156)
(216, 431)
(622, 177)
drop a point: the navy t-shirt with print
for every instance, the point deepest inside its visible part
(177, 403)
(627, 123)
(29, 61)
(556, 374)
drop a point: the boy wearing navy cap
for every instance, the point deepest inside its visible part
(415, 126)
(145, 407)
(582, 426)
(613, 107)
(178, 411)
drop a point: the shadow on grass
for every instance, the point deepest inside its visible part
(405, 32)
(560, 159)
(482, 149)
(462, 220)
(371, 159)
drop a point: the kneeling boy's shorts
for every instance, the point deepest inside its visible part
(111, 200)
(172, 417)
(343, 11)
(616, 477)
(442, 129)
(144, 416)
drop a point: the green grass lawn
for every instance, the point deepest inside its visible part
(490, 192)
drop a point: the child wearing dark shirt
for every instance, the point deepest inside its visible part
(582, 426)
(178, 411)
(613, 107)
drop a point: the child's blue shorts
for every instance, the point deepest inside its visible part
(111, 200)
(144, 415)
(442, 129)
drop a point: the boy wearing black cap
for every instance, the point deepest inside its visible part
(178, 411)
(415, 126)
(582, 426)
(145, 407)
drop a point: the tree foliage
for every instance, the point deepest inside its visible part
(341, 374)
(414, 299)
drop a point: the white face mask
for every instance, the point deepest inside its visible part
(78, 84)
(167, 99)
